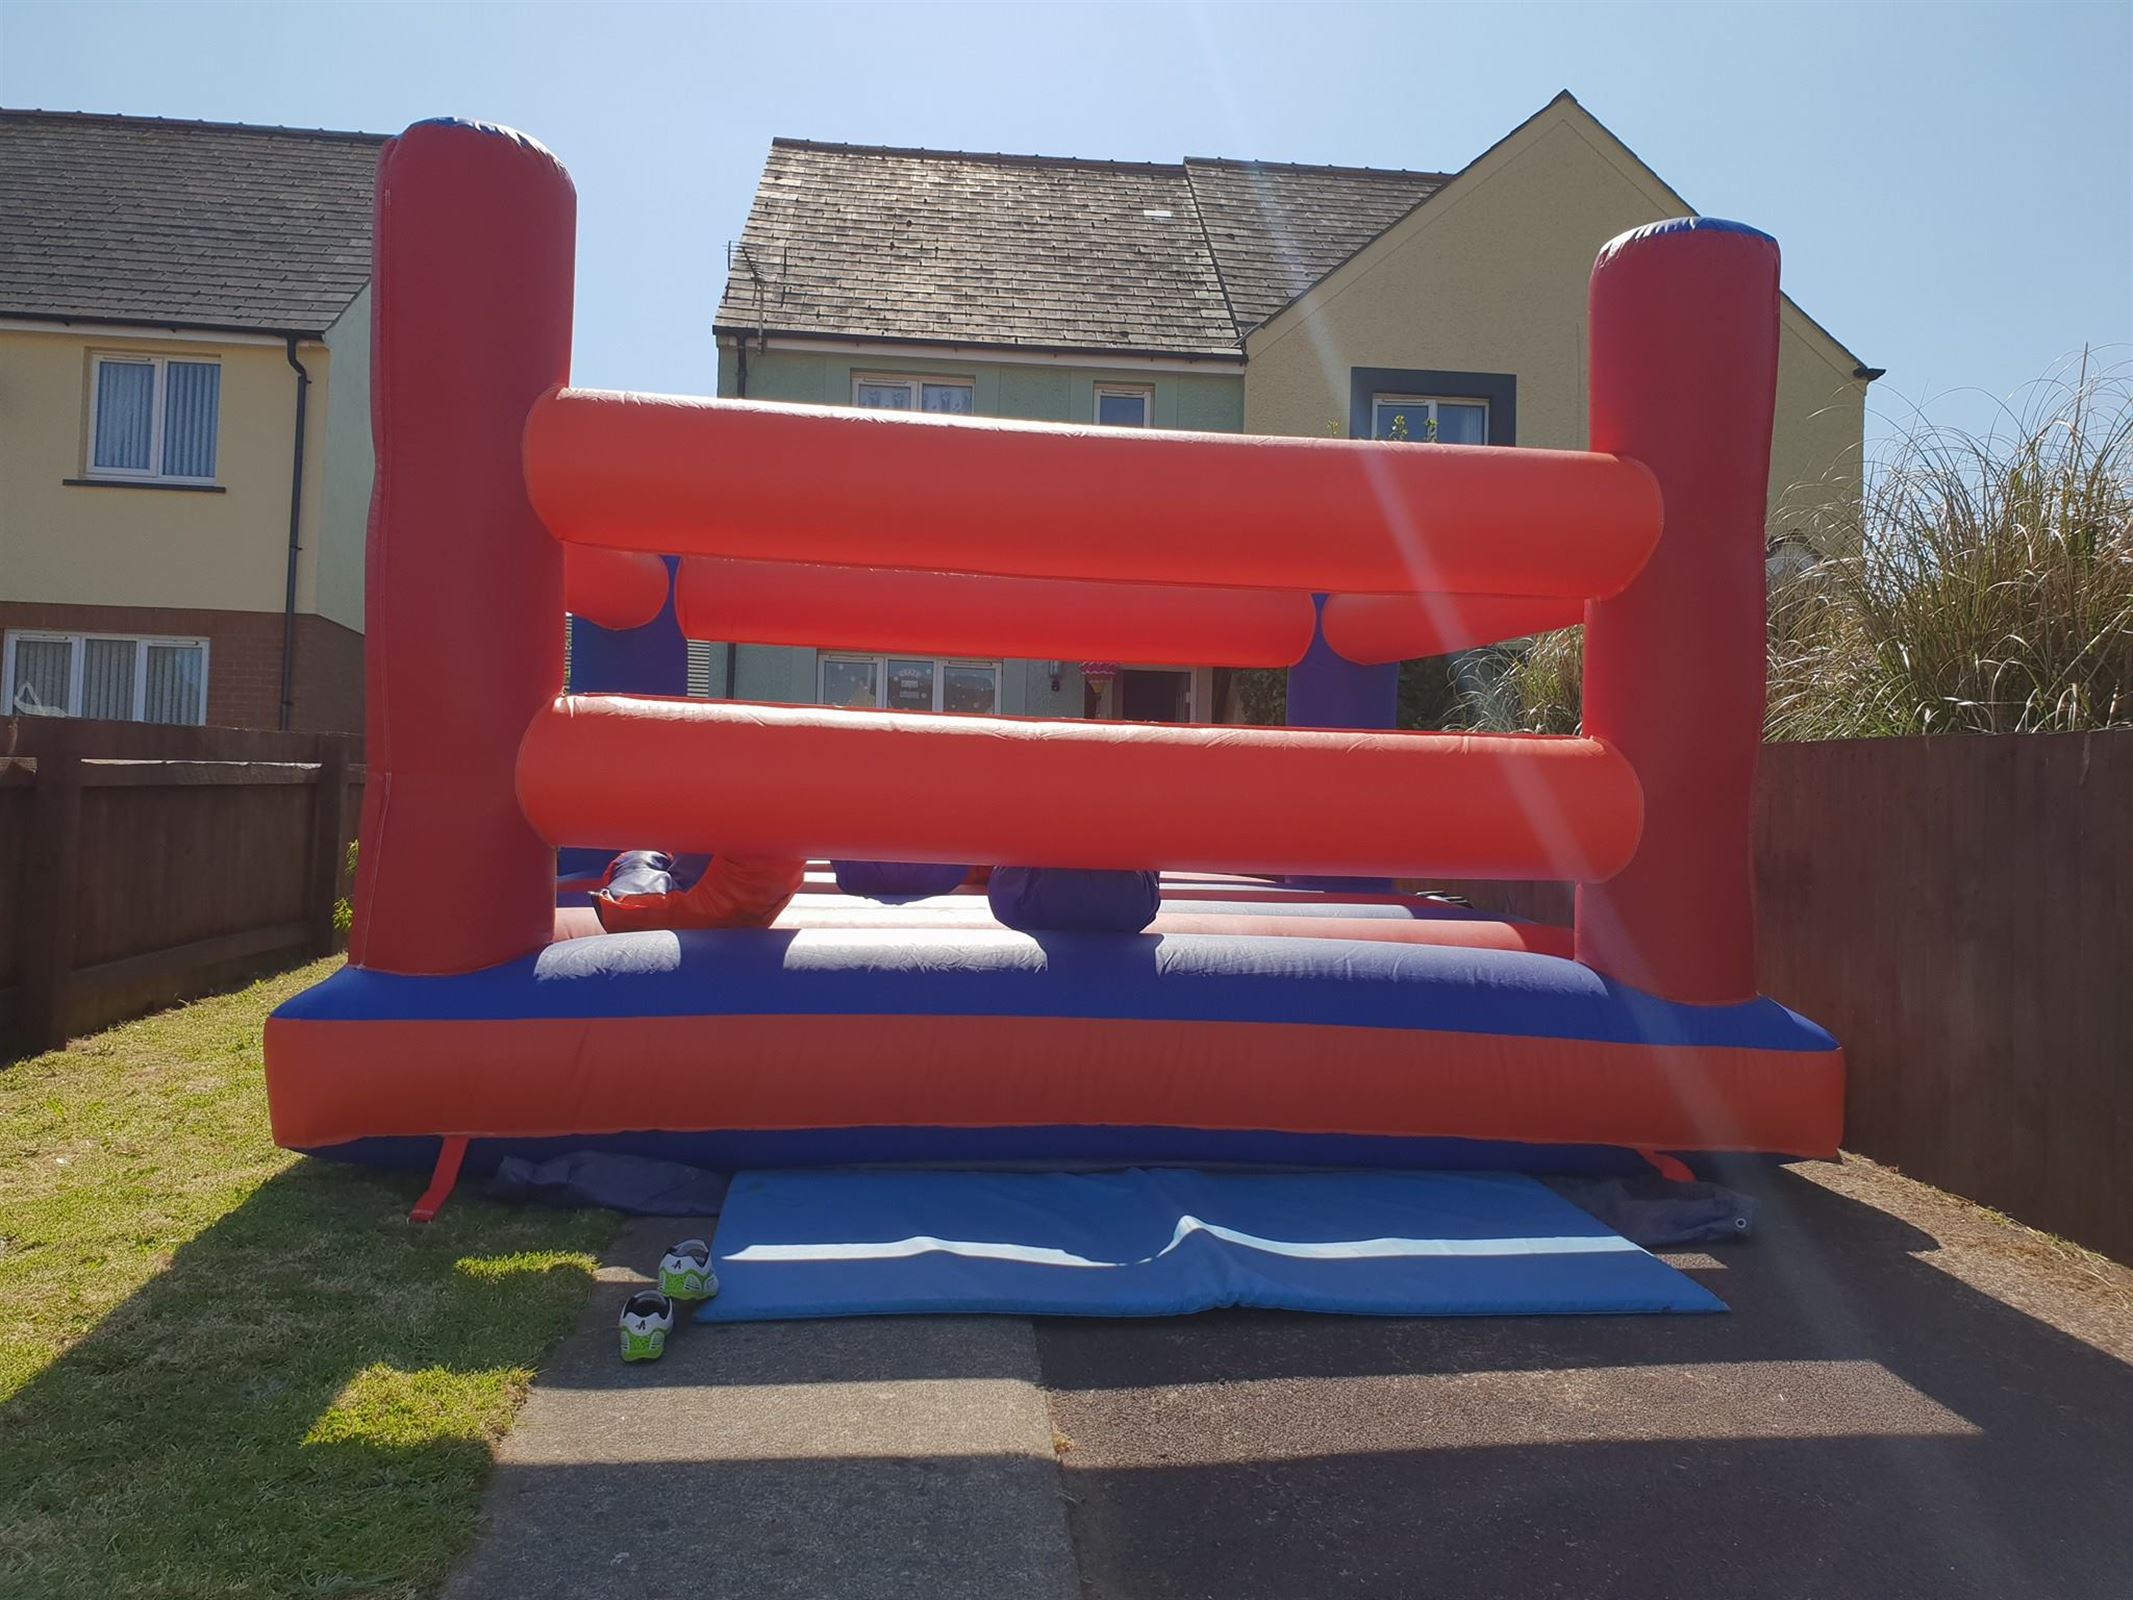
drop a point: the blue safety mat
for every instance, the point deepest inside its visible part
(1159, 1242)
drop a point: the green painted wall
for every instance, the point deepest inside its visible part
(776, 674)
(1210, 402)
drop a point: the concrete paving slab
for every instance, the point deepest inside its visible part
(873, 1459)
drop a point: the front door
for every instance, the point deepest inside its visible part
(1154, 694)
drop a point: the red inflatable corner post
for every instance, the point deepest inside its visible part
(1684, 318)
(476, 229)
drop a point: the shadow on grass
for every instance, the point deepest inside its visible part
(301, 1402)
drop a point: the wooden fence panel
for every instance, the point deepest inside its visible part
(169, 866)
(18, 803)
(143, 864)
(1959, 912)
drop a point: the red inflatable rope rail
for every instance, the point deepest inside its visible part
(1372, 628)
(960, 613)
(759, 780)
(1043, 500)
(613, 588)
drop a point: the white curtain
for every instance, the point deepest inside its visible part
(1460, 424)
(953, 398)
(177, 684)
(191, 397)
(125, 409)
(107, 678)
(41, 669)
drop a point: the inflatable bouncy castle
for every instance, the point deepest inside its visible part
(1253, 1019)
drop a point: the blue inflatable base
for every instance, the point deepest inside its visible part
(1158, 1242)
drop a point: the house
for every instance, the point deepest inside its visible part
(184, 419)
(1226, 295)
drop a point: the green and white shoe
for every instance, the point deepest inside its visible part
(685, 1272)
(647, 1319)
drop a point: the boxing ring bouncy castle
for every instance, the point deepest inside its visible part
(1251, 1021)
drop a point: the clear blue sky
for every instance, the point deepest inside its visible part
(1952, 184)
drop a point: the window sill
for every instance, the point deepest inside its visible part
(144, 483)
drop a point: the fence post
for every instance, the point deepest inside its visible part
(51, 883)
(329, 843)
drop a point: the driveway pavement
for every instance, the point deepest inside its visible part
(869, 1459)
(1909, 1398)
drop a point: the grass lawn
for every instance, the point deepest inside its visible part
(226, 1371)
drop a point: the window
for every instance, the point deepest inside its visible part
(913, 394)
(1426, 419)
(105, 675)
(153, 417)
(1121, 405)
(704, 670)
(910, 683)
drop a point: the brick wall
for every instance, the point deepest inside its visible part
(243, 661)
(329, 677)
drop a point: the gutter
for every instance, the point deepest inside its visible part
(733, 650)
(1094, 355)
(246, 333)
(296, 516)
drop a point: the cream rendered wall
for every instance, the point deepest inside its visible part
(77, 545)
(342, 489)
(1490, 276)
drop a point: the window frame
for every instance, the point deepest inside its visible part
(79, 643)
(916, 382)
(880, 659)
(1143, 392)
(1379, 399)
(1499, 389)
(159, 362)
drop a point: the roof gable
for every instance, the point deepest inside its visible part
(1277, 229)
(182, 224)
(1564, 109)
(1059, 254)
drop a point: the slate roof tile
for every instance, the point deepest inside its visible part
(190, 224)
(868, 241)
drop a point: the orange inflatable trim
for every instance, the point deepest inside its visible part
(964, 614)
(1039, 500)
(734, 892)
(780, 781)
(1373, 628)
(613, 588)
(534, 1078)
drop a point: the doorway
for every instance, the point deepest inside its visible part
(1154, 694)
